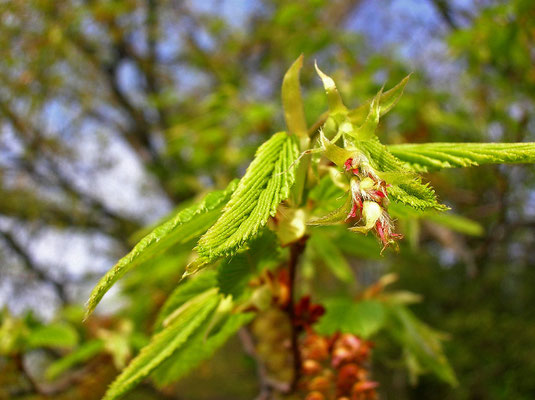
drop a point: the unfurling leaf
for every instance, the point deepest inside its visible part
(334, 217)
(336, 105)
(388, 100)
(292, 102)
(406, 187)
(183, 227)
(265, 185)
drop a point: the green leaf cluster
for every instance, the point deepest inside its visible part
(266, 183)
(202, 312)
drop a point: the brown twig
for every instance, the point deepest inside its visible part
(296, 249)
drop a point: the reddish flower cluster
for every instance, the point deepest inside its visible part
(306, 314)
(335, 368)
(369, 200)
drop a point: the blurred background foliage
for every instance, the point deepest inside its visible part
(112, 113)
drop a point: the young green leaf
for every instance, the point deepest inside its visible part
(184, 292)
(198, 349)
(265, 185)
(292, 102)
(336, 104)
(234, 273)
(334, 217)
(366, 131)
(294, 115)
(422, 345)
(406, 186)
(416, 194)
(183, 227)
(362, 318)
(434, 156)
(388, 100)
(162, 346)
(331, 256)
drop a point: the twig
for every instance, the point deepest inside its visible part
(31, 266)
(296, 249)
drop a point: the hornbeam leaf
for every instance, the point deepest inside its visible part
(407, 187)
(184, 292)
(366, 131)
(334, 99)
(434, 156)
(183, 227)
(294, 114)
(292, 101)
(162, 346)
(234, 273)
(334, 217)
(417, 195)
(198, 349)
(264, 186)
(388, 100)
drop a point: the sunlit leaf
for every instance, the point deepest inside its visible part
(265, 185)
(387, 101)
(162, 346)
(198, 349)
(292, 101)
(336, 105)
(186, 225)
(185, 291)
(433, 156)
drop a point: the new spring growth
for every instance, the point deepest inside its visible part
(369, 201)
